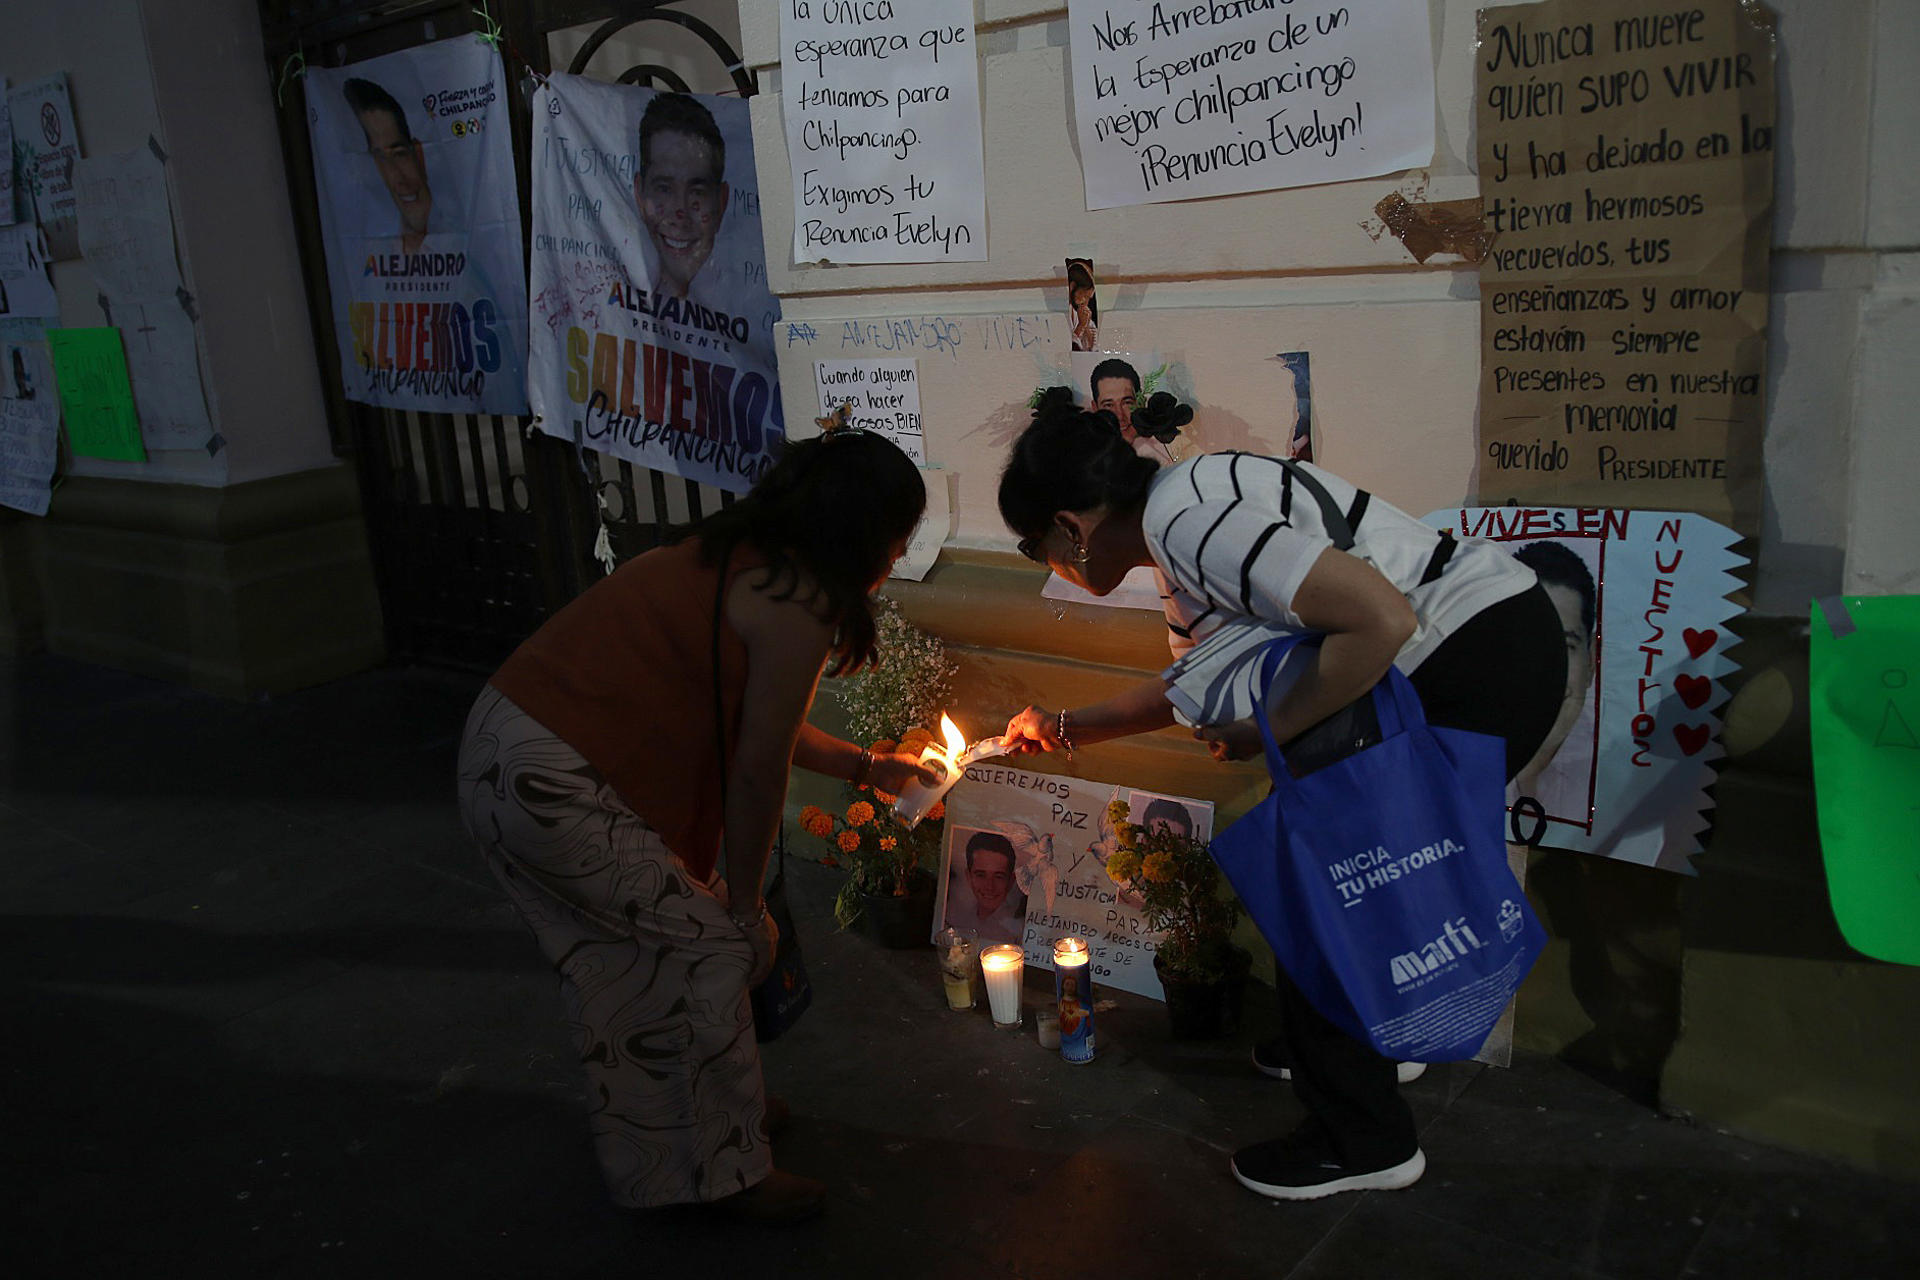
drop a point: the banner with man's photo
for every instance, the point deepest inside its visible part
(652, 324)
(413, 159)
(1643, 604)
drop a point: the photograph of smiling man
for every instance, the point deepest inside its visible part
(418, 210)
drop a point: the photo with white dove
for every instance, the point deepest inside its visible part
(1033, 847)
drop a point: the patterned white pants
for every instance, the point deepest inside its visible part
(652, 971)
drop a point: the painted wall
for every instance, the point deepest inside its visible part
(192, 74)
(1222, 285)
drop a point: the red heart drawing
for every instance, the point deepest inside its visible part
(1693, 690)
(1691, 737)
(1698, 642)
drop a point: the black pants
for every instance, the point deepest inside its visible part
(1503, 673)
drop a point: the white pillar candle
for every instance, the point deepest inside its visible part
(1004, 966)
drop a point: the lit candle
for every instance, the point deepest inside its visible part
(1004, 966)
(1073, 996)
(948, 762)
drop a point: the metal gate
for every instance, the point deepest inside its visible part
(480, 527)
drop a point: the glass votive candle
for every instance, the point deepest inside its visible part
(1073, 998)
(1004, 966)
(958, 968)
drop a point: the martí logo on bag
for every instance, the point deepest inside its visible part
(1376, 866)
(1510, 920)
(1455, 940)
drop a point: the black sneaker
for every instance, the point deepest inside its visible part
(1292, 1169)
(1270, 1059)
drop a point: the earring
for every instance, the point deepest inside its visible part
(1079, 553)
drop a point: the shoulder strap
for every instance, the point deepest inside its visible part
(1339, 528)
(719, 703)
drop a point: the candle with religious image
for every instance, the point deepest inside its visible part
(1073, 998)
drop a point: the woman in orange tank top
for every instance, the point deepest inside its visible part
(624, 774)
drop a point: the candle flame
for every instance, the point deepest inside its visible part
(956, 741)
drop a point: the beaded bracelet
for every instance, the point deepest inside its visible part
(865, 767)
(1060, 731)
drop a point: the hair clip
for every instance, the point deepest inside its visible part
(838, 419)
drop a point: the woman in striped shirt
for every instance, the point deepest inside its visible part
(1239, 537)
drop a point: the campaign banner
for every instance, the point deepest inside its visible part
(413, 160)
(652, 325)
(1642, 599)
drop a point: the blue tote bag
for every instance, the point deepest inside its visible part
(1381, 881)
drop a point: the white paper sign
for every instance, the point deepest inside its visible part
(923, 548)
(1055, 829)
(126, 225)
(163, 365)
(1178, 100)
(45, 147)
(29, 435)
(882, 106)
(884, 396)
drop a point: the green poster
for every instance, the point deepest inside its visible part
(1865, 707)
(97, 400)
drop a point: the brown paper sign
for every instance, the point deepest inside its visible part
(1626, 172)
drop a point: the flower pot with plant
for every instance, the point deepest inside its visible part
(1174, 877)
(889, 889)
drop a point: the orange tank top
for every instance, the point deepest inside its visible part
(624, 674)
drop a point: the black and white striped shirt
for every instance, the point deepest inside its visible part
(1234, 534)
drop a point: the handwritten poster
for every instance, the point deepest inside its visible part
(1176, 100)
(935, 527)
(652, 322)
(1026, 861)
(45, 147)
(881, 395)
(1626, 167)
(7, 214)
(1642, 599)
(95, 397)
(126, 235)
(421, 218)
(882, 107)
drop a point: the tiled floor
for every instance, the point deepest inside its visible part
(267, 1017)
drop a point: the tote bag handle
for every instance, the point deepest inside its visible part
(1394, 702)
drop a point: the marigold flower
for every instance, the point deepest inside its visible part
(828, 860)
(859, 813)
(1117, 813)
(1123, 866)
(887, 844)
(938, 811)
(809, 814)
(819, 824)
(884, 747)
(884, 797)
(849, 841)
(1157, 867)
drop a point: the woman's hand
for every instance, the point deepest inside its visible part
(764, 938)
(1033, 730)
(890, 772)
(1235, 740)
